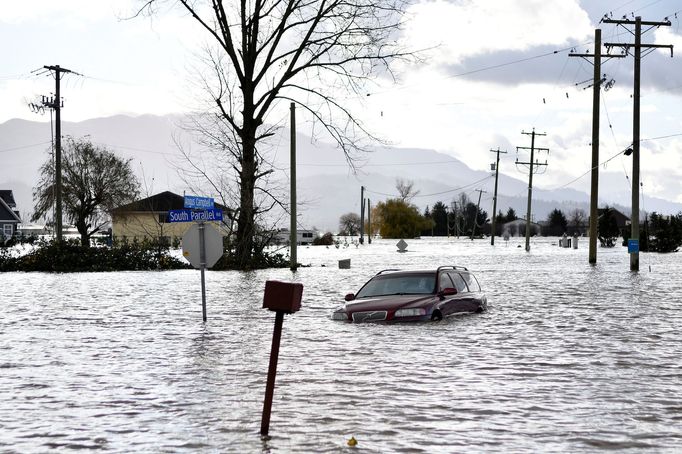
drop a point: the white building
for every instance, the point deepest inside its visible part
(303, 237)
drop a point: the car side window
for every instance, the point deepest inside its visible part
(472, 282)
(444, 282)
(460, 285)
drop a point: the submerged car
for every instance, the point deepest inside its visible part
(395, 295)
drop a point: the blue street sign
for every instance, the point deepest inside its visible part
(187, 215)
(198, 203)
(633, 246)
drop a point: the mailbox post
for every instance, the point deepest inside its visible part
(282, 298)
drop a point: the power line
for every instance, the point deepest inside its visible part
(384, 165)
(434, 193)
(487, 68)
(22, 147)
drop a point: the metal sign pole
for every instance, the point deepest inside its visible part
(202, 263)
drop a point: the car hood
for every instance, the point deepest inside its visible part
(388, 303)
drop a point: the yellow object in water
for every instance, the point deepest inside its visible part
(352, 441)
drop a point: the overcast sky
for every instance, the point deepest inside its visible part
(493, 73)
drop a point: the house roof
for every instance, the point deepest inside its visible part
(621, 219)
(7, 214)
(7, 196)
(161, 202)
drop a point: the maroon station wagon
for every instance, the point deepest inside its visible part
(395, 295)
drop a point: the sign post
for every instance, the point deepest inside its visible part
(202, 265)
(202, 245)
(281, 298)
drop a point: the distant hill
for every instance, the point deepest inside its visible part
(327, 188)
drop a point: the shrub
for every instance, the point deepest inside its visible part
(325, 240)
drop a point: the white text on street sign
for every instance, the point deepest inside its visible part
(198, 203)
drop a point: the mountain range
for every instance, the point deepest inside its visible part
(327, 187)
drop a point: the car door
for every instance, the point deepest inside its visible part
(472, 300)
(464, 301)
(446, 305)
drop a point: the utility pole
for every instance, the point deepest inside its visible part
(293, 230)
(638, 46)
(369, 221)
(531, 164)
(453, 226)
(56, 104)
(594, 184)
(362, 214)
(497, 172)
(478, 204)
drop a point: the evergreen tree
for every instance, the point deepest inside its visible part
(607, 228)
(557, 223)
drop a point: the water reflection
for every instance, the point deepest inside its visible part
(570, 358)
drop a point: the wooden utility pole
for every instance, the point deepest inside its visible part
(57, 106)
(497, 173)
(594, 184)
(455, 228)
(531, 164)
(478, 204)
(293, 230)
(362, 214)
(638, 46)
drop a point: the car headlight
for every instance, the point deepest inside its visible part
(340, 314)
(412, 312)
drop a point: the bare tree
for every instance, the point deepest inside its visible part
(405, 189)
(577, 218)
(349, 224)
(309, 52)
(94, 181)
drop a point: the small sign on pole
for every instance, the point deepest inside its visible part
(633, 246)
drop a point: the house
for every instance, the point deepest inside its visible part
(303, 237)
(9, 216)
(517, 227)
(621, 220)
(148, 218)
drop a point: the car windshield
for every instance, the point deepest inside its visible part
(399, 284)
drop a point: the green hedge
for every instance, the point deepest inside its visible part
(70, 256)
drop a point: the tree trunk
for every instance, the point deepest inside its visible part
(83, 230)
(246, 222)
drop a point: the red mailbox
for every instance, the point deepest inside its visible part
(283, 296)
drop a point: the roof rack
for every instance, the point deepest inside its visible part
(451, 267)
(387, 270)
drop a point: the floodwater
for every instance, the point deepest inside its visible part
(569, 358)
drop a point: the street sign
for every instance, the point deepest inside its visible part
(633, 246)
(191, 245)
(198, 203)
(188, 215)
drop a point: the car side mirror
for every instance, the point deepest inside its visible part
(349, 297)
(448, 291)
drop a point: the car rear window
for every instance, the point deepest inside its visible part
(399, 284)
(472, 283)
(460, 285)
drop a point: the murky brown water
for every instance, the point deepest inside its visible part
(569, 358)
